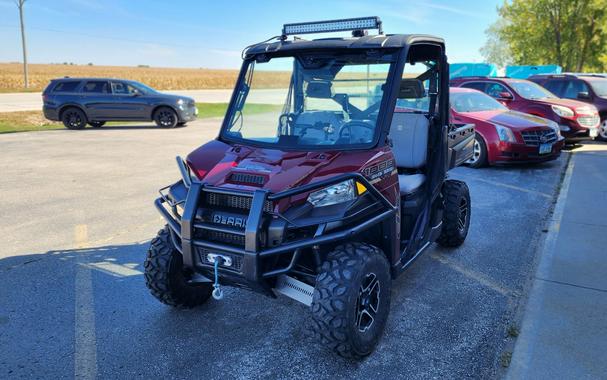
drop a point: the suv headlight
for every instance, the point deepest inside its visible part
(505, 133)
(338, 193)
(563, 111)
(181, 103)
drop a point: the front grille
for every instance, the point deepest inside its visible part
(236, 259)
(253, 179)
(588, 121)
(240, 202)
(220, 237)
(535, 138)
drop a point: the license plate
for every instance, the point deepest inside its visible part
(594, 132)
(545, 148)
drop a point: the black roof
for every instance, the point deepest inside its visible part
(91, 78)
(366, 42)
(570, 75)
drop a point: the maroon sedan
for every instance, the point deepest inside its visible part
(577, 120)
(502, 135)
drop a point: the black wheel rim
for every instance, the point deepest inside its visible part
(166, 118)
(463, 215)
(367, 303)
(74, 119)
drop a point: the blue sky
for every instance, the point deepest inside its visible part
(211, 34)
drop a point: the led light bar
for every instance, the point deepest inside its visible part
(360, 23)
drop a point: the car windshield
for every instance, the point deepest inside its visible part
(531, 91)
(599, 86)
(310, 101)
(142, 87)
(474, 101)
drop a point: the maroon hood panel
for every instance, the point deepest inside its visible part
(570, 103)
(511, 119)
(250, 168)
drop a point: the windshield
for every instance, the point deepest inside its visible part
(474, 101)
(599, 86)
(310, 101)
(142, 87)
(531, 91)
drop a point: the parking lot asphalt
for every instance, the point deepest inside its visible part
(77, 217)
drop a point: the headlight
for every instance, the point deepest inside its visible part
(505, 133)
(338, 193)
(181, 104)
(555, 126)
(563, 111)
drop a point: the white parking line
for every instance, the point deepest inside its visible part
(85, 350)
(535, 192)
(117, 270)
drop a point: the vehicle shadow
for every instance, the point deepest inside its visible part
(131, 126)
(48, 298)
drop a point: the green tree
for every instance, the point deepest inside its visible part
(496, 50)
(569, 33)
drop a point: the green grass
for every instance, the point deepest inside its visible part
(27, 121)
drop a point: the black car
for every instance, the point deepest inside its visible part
(589, 88)
(78, 101)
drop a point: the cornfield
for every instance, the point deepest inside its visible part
(11, 76)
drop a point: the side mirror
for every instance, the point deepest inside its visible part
(583, 95)
(505, 95)
(136, 93)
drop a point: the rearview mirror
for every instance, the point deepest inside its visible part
(583, 95)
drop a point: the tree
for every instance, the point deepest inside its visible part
(496, 50)
(569, 33)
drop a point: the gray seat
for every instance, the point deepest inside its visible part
(409, 134)
(408, 183)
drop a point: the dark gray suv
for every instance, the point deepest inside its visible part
(78, 101)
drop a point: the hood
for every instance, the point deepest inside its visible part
(250, 168)
(512, 119)
(563, 102)
(174, 97)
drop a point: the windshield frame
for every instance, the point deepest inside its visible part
(395, 65)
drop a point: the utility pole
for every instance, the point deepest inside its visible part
(20, 6)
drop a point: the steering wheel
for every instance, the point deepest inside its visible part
(357, 123)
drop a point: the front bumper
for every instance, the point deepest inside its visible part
(187, 113)
(521, 153)
(255, 264)
(573, 132)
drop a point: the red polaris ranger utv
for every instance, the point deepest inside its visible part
(327, 197)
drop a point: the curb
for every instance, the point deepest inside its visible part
(523, 347)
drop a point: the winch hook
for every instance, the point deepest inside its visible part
(217, 292)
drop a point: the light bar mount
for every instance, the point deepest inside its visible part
(356, 25)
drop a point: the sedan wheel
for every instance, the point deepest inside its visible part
(479, 153)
